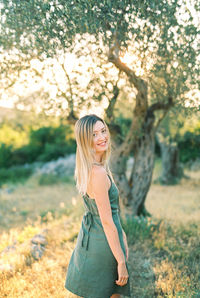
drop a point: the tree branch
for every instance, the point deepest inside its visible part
(71, 104)
(140, 84)
(160, 106)
(139, 113)
(160, 119)
(110, 109)
(135, 80)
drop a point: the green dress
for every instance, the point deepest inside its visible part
(92, 269)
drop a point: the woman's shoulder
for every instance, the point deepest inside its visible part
(99, 171)
(98, 180)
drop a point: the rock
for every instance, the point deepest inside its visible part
(37, 250)
(38, 245)
(39, 239)
(61, 166)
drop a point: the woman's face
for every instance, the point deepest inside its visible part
(100, 137)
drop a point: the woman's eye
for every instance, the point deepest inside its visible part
(103, 131)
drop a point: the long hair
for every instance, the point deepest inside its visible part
(84, 151)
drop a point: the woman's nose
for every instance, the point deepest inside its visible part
(101, 136)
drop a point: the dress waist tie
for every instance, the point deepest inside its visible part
(88, 221)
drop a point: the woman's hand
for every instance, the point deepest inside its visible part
(126, 244)
(122, 274)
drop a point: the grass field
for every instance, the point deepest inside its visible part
(164, 250)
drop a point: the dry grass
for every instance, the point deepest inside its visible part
(44, 278)
(166, 264)
(176, 203)
(27, 202)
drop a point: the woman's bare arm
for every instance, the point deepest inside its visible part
(126, 244)
(100, 193)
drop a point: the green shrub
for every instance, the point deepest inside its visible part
(53, 151)
(5, 155)
(124, 124)
(189, 145)
(25, 154)
(137, 228)
(14, 174)
(45, 144)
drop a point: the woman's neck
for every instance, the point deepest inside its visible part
(97, 163)
(98, 157)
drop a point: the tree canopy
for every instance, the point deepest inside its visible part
(161, 39)
(163, 34)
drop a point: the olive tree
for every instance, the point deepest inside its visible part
(161, 35)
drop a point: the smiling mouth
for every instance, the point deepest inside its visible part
(102, 144)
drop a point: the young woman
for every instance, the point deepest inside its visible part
(98, 266)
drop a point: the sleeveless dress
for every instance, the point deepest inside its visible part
(92, 269)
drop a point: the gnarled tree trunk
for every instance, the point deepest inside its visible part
(142, 171)
(133, 189)
(140, 141)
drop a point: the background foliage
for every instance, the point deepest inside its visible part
(44, 144)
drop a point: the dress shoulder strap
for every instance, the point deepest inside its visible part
(109, 178)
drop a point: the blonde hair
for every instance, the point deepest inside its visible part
(84, 151)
